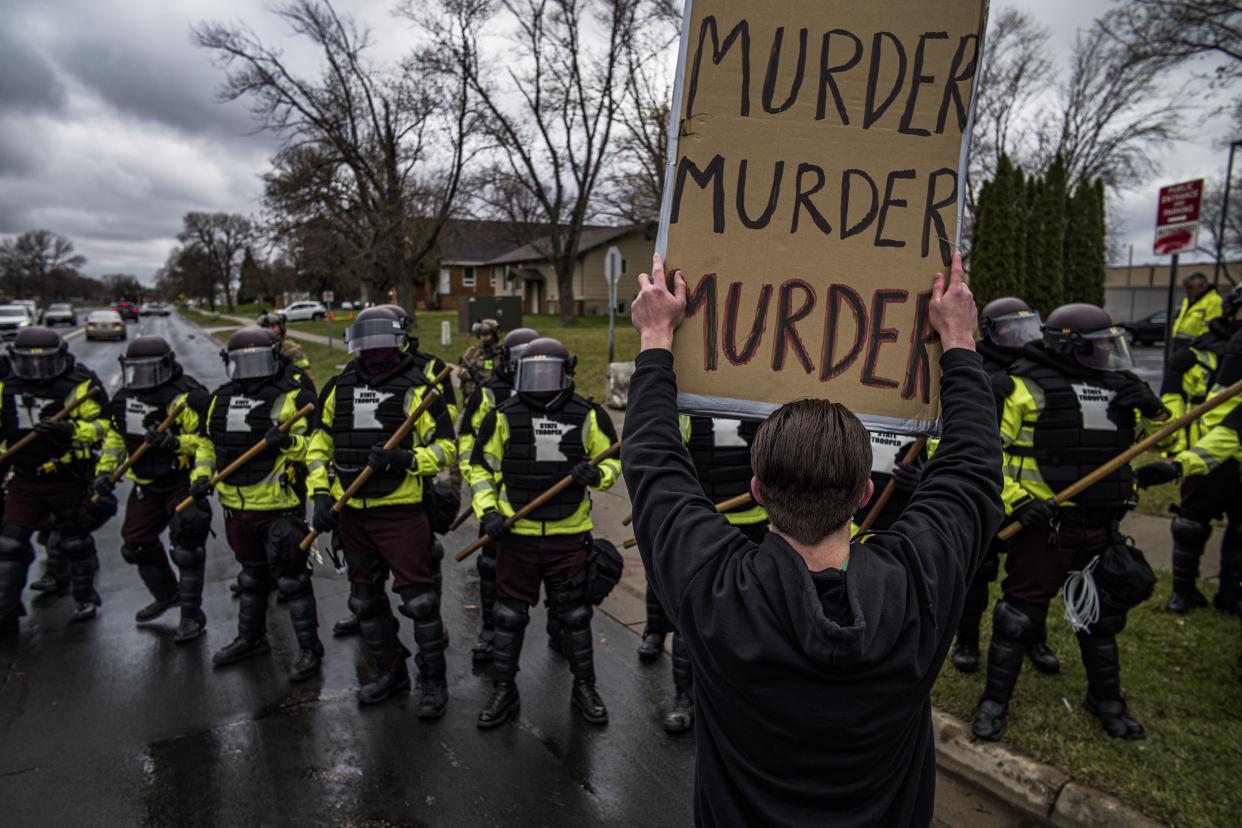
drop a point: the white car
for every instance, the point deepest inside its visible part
(12, 319)
(303, 312)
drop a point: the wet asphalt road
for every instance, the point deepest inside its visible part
(108, 723)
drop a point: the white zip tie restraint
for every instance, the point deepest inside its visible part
(1082, 599)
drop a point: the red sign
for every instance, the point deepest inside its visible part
(1177, 217)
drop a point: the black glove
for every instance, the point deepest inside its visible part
(58, 432)
(277, 439)
(584, 474)
(907, 476)
(1138, 396)
(162, 440)
(95, 513)
(1154, 474)
(1035, 513)
(395, 459)
(103, 485)
(200, 489)
(325, 520)
(494, 525)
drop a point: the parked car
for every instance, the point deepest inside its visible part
(105, 324)
(161, 309)
(145, 309)
(303, 311)
(347, 306)
(127, 310)
(60, 313)
(31, 308)
(1149, 330)
(12, 319)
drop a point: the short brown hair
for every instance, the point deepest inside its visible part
(812, 459)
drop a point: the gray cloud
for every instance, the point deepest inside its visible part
(27, 79)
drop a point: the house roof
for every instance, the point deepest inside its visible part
(592, 237)
(475, 242)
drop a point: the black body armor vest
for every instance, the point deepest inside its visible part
(1074, 434)
(133, 412)
(720, 450)
(543, 446)
(240, 419)
(366, 415)
(26, 402)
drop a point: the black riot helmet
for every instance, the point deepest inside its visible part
(148, 362)
(511, 349)
(406, 323)
(1231, 309)
(271, 320)
(378, 327)
(252, 353)
(39, 353)
(1087, 334)
(1009, 323)
(545, 370)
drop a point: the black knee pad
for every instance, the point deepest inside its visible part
(511, 615)
(1018, 621)
(367, 600)
(419, 603)
(437, 551)
(139, 553)
(292, 586)
(1191, 532)
(78, 547)
(1108, 626)
(576, 617)
(254, 579)
(15, 548)
(189, 557)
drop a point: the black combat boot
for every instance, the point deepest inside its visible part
(652, 646)
(482, 650)
(588, 702)
(240, 649)
(395, 679)
(1012, 622)
(380, 634)
(153, 610)
(191, 563)
(580, 650)
(300, 597)
(251, 621)
(680, 716)
(503, 705)
(422, 604)
(82, 567)
(966, 654)
(1103, 700)
(1189, 537)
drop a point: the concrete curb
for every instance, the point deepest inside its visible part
(192, 323)
(1042, 792)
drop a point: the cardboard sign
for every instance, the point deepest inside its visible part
(812, 194)
(1177, 218)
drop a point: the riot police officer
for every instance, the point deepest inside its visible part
(497, 389)
(1006, 325)
(264, 517)
(154, 386)
(532, 440)
(478, 363)
(291, 351)
(1193, 373)
(384, 528)
(1070, 405)
(51, 476)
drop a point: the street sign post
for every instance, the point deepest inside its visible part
(1177, 231)
(613, 265)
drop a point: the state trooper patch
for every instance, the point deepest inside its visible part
(366, 405)
(548, 434)
(239, 412)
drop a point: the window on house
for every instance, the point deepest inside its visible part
(492, 279)
(467, 276)
(445, 284)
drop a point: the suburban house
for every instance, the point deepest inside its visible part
(494, 258)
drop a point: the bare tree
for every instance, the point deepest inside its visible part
(222, 239)
(27, 261)
(1016, 72)
(395, 139)
(188, 272)
(1213, 201)
(550, 104)
(1109, 114)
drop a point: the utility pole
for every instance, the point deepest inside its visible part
(1224, 215)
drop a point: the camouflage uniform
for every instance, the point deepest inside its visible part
(477, 365)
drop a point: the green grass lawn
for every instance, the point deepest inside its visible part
(1179, 679)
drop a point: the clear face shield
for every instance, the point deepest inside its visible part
(252, 363)
(515, 358)
(542, 374)
(38, 363)
(146, 372)
(374, 333)
(1104, 350)
(1013, 330)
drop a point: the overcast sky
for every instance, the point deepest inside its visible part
(110, 132)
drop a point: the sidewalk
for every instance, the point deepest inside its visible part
(318, 339)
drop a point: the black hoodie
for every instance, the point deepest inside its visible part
(813, 692)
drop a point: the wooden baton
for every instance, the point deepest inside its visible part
(251, 453)
(560, 486)
(164, 425)
(886, 494)
(722, 506)
(1135, 450)
(392, 442)
(462, 518)
(55, 418)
